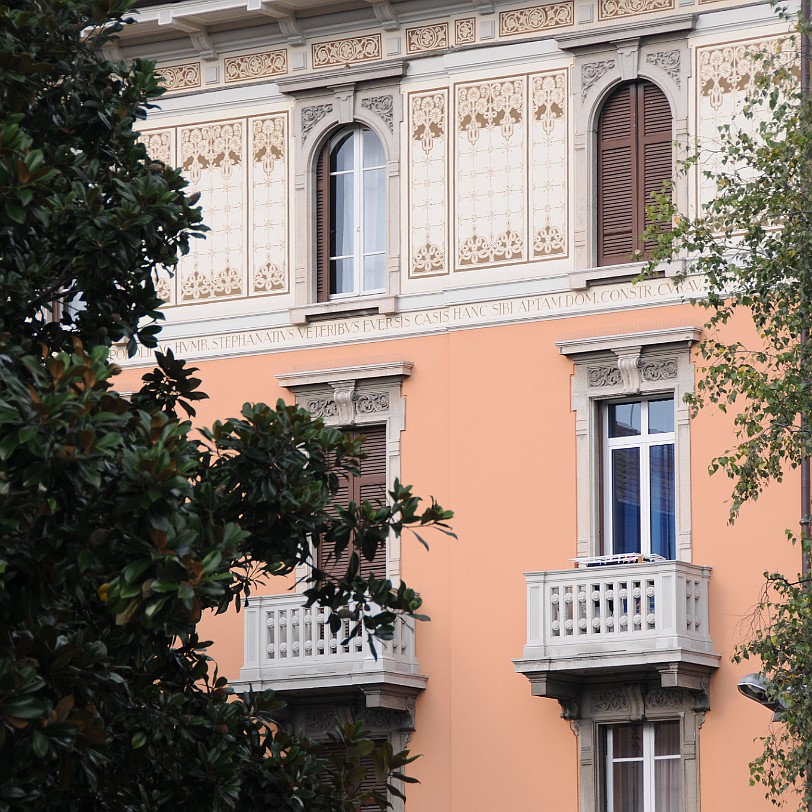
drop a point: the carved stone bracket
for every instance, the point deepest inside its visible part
(344, 394)
(197, 33)
(628, 363)
(345, 101)
(287, 21)
(385, 14)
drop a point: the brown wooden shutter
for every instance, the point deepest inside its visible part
(634, 158)
(323, 225)
(369, 485)
(655, 140)
(616, 178)
(369, 783)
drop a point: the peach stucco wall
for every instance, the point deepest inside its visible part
(489, 433)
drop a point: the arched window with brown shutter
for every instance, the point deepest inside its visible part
(350, 207)
(634, 160)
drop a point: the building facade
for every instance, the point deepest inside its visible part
(424, 228)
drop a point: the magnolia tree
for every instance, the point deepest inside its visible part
(119, 524)
(752, 245)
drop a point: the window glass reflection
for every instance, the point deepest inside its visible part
(624, 419)
(661, 416)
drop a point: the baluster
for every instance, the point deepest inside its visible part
(271, 639)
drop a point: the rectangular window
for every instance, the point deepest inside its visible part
(368, 485)
(638, 470)
(642, 767)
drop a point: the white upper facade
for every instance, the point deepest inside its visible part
(487, 117)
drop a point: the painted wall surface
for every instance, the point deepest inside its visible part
(489, 146)
(491, 434)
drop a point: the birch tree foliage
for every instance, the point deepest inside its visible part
(751, 245)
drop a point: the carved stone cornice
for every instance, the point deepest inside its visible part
(344, 76)
(629, 29)
(677, 336)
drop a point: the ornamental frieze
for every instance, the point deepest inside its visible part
(600, 377)
(426, 38)
(465, 31)
(611, 9)
(548, 241)
(428, 259)
(535, 18)
(180, 77)
(428, 119)
(347, 51)
(372, 402)
(660, 370)
(255, 66)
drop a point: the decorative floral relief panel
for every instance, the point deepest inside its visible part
(255, 66)
(212, 158)
(725, 77)
(428, 182)
(160, 145)
(490, 172)
(180, 77)
(268, 207)
(549, 158)
(611, 9)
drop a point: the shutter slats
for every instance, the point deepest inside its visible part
(615, 118)
(322, 226)
(656, 111)
(369, 485)
(634, 159)
(369, 783)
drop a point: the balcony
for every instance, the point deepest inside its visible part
(633, 620)
(291, 649)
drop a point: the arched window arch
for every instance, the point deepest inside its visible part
(351, 215)
(635, 134)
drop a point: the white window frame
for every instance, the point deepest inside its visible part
(629, 366)
(359, 133)
(649, 759)
(644, 442)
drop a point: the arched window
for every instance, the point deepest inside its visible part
(634, 159)
(351, 215)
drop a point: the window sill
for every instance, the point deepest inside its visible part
(344, 309)
(609, 274)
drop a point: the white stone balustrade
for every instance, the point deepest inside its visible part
(291, 648)
(616, 618)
